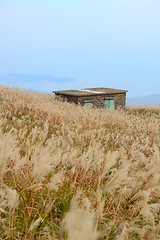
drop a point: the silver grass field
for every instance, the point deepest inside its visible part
(73, 173)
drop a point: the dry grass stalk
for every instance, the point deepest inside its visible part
(50, 150)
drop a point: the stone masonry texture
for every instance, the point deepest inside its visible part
(98, 101)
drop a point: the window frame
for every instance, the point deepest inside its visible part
(89, 102)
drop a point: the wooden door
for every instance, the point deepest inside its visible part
(109, 104)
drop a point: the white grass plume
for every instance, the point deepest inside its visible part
(13, 199)
(110, 160)
(80, 223)
(34, 224)
(117, 179)
(56, 181)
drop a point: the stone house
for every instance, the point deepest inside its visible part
(106, 98)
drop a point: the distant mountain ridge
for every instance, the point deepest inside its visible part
(38, 82)
(33, 77)
(153, 100)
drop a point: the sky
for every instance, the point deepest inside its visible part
(98, 43)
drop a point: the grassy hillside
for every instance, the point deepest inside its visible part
(68, 172)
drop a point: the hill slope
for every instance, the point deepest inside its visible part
(68, 172)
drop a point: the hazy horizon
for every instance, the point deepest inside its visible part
(107, 43)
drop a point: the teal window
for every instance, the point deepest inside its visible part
(109, 104)
(88, 104)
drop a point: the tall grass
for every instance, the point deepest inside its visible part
(68, 172)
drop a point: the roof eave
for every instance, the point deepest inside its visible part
(82, 95)
(65, 94)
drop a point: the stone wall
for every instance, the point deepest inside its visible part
(67, 98)
(98, 101)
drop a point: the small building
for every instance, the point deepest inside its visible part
(106, 98)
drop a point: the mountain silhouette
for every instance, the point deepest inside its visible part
(153, 100)
(36, 82)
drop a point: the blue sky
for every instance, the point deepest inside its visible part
(107, 43)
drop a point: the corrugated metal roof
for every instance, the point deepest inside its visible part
(89, 92)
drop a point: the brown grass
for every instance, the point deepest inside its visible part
(68, 172)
